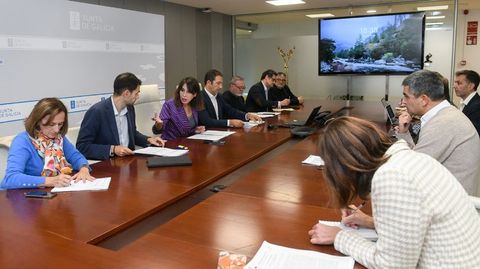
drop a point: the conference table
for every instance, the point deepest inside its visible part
(233, 197)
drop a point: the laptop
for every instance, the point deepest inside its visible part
(308, 122)
(390, 113)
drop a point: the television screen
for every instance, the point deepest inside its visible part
(379, 44)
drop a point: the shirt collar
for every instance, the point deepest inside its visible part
(210, 95)
(469, 97)
(433, 111)
(264, 87)
(115, 112)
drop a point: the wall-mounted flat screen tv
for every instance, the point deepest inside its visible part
(374, 45)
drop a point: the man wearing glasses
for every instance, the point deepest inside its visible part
(280, 91)
(234, 96)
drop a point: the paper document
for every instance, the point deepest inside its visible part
(211, 135)
(159, 151)
(314, 160)
(367, 233)
(283, 109)
(252, 123)
(96, 185)
(267, 114)
(271, 256)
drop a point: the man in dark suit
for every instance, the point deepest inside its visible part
(257, 99)
(281, 91)
(234, 95)
(466, 84)
(108, 128)
(217, 112)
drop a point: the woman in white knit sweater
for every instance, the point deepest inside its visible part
(423, 216)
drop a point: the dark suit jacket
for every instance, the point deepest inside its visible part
(99, 131)
(472, 111)
(276, 94)
(208, 117)
(234, 101)
(257, 101)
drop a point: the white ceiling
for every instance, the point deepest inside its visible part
(243, 7)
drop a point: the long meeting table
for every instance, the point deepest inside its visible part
(278, 200)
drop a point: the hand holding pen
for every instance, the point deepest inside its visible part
(355, 218)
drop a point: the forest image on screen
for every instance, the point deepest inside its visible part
(384, 44)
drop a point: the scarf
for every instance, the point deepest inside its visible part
(51, 150)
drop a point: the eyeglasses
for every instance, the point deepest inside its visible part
(241, 88)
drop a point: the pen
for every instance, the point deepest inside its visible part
(357, 208)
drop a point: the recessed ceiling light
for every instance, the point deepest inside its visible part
(435, 17)
(434, 23)
(436, 13)
(285, 2)
(432, 8)
(370, 11)
(321, 15)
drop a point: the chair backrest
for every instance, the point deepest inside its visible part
(5, 143)
(72, 134)
(150, 101)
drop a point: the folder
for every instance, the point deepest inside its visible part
(168, 161)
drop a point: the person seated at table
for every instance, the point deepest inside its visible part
(217, 112)
(42, 156)
(108, 128)
(280, 91)
(421, 213)
(257, 98)
(179, 115)
(234, 95)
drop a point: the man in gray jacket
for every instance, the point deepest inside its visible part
(446, 133)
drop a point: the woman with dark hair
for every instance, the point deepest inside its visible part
(42, 156)
(179, 115)
(423, 216)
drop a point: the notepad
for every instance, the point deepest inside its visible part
(159, 151)
(96, 185)
(367, 233)
(314, 160)
(271, 256)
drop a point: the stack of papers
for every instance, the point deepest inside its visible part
(271, 256)
(211, 135)
(366, 233)
(314, 160)
(158, 151)
(96, 185)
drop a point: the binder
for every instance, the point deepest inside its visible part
(157, 161)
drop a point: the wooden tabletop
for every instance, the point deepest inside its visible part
(277, 202)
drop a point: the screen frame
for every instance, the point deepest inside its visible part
(351, 73)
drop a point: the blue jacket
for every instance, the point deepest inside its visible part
(98, 131)
(24, 165)
(207, 116)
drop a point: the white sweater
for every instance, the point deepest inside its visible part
(423, 217)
